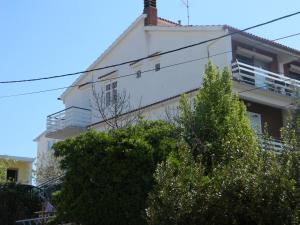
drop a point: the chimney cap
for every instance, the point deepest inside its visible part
(149, 3)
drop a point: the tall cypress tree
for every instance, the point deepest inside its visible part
(215, 123)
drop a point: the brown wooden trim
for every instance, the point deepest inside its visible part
(273, 65)
(270, 115)
(105, 75)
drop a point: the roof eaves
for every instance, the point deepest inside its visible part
(168, 22)
(264, 40)
(17, 158)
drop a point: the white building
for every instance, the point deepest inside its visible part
(265, 74)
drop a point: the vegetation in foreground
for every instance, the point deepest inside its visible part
(210, 168)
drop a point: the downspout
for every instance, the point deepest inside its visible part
(208, 46)
(214, 42)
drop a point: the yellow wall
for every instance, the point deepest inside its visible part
(24, 170)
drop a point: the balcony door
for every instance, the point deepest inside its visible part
(247, 77)
(260, 76)
(255, 122)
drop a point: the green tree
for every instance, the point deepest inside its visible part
(236, 182)
(4, 165)
(290, 157)
(180, 180)
(108, 175)
(215, 124)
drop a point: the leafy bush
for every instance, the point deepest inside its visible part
(108, 175)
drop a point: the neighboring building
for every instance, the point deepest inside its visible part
(46, 164)
(44, 149)
(18, 169)
(265, 74)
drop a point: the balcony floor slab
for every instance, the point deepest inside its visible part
(65, 133)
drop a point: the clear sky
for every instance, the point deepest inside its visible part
(51, 37)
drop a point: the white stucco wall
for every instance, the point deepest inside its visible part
(43, 147)
(141, 41)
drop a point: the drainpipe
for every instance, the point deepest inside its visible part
(208, 46)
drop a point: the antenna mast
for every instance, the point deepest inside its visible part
(187, 5)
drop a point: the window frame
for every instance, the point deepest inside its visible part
(111, 92)
(17, 174)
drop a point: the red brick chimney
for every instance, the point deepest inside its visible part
(151, 11)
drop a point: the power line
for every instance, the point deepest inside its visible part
(145, 71)
(151, 56)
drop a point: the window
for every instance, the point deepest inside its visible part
(138, 74)
(111, 93)
(50, 144)
(12, 175)
(157, 67)
(255, 122)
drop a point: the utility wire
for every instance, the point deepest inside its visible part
(151, 56)
(142, 72)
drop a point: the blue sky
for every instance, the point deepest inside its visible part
(50, 37)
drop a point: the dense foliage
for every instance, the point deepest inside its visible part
(223, 177)
(215, 124)
(108, 175)
(18, 202)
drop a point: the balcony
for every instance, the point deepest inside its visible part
(68, 122)
(265, 80)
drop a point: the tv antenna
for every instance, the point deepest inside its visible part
(187, 5)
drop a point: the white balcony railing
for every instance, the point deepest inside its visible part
(274, 144)
(70, 117)
(264, 79)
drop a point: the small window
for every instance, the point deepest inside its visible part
(115, 95)
(138, 74)
(107, 98)
(12, 175)
(50, 144)
(157, 67)
(111, 93)
(114, 91)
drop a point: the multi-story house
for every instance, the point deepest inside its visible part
(17, 169)
(265, 74)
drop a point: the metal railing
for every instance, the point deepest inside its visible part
(272, 144)
(265, 79)
(70, 117)
(41, 220)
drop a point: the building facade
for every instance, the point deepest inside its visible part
(265, 74)
(17, 169)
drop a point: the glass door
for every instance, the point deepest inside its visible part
(260, 76)
(255, 122)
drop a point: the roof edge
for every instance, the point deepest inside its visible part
(99, 59)
(264, 40)
(17, 158)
